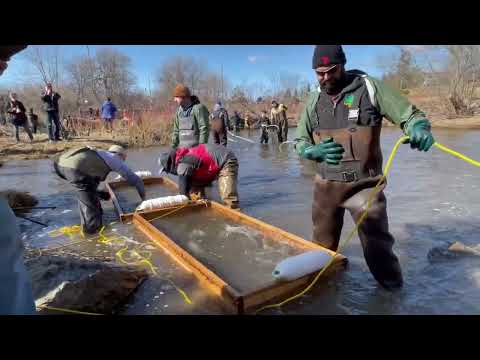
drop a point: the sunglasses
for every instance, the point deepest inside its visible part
(329, 71)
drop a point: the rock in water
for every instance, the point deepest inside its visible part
(102, 292)
(17, 199)
(459, 247)
(452, 251)
(81, 285)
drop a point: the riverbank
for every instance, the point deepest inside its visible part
(151, 132)
(459, 123)
(10, 150)
(40, 148)
(468, 123)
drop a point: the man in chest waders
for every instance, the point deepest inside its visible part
(278, 116)
(339, 128)
(191, 123)
(200, 166)
(85, 168)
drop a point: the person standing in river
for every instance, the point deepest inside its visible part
(264, 124)
(219, 124)
(85, 168)
(339, 128)
(278, 116)
(190, 125)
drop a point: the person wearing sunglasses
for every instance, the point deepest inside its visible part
(339, 129)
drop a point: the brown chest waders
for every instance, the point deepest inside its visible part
(348, 185)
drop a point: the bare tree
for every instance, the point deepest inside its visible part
(213, 86)
(47, 61)
(289, 81)
(184, 70)
(113, 75)
(209, 86)
(108, 74)
(387, 63)
(464, 70)
(275, 83)
(79, 71)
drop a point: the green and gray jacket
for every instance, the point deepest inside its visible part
(388, 102)
(191, 125)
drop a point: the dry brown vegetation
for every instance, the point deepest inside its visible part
(144, 129)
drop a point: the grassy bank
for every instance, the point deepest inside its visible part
(143, 133)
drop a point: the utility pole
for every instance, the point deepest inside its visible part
(150, 93)
(221, 71)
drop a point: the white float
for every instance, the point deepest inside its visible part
(142, 174)
(162, 202)
(295, 267)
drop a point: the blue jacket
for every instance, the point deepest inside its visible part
(108, 110)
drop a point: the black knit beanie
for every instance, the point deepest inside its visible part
(325, 55)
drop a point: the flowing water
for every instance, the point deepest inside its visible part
(241, 255)
(433, 200)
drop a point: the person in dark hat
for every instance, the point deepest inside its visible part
(339, 129)
(191, 124)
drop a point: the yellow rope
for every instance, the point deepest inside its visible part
(373, 193)
(67, 230)
(146, 260)
(176, 208)
(169, 213)
(103, 239)
(457, 154)
(66, 310)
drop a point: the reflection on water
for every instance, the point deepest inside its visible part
(433, 200)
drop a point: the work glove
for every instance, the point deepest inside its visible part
(328, 150)
(420, 135)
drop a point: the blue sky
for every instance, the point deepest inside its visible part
(241, 63)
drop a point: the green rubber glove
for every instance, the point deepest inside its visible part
(328, 150)
(420, 135)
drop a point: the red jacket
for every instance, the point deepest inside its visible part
(206, 170)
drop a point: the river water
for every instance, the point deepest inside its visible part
(433, 200)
